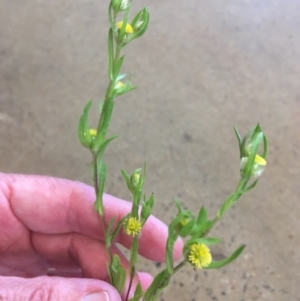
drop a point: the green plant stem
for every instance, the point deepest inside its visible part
(231, 199)
(132, 272)
(109, 96)
(109, 92)
(167, 278)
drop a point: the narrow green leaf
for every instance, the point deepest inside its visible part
(202, 216)
(110, 15)
(255, 140)
(178, 205)
(110, 54)
(238, 136)
(126, 89)
(221, 263)
(147, 207)
(204, 240)
(127, 179)
(160, 281)
(101, 171)
(264, 155)
(187, 229)
(103, 125)
(201, 229)
(108, 238)
(101, 148)
(83, 127)
(118, 227)
(115, 263)
(251, 186)
(138, 293)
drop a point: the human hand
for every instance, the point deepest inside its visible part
(48, 226)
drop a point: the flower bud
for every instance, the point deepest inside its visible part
(119, 5)
(135, 178)
(140, 23)
(257, 168)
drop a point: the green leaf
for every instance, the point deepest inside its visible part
(118, 227)
(126, 89)
(178, 205)
(110, 15)
(137, 194)
(204, 240)
(264, 155)
(84, 135)
(101, 172)
(127, 179)
(238, 136)
(104, 123)
(101, 148)
(202, 216)
(256, 140)
(187, 229)
(110, 54)
(118, 274)
(108, 238)
(201, 229)
(221, 263)
(160, 281)
(138, 293)
(250, 186)
(147, 207)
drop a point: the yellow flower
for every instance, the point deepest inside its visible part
(199, 256)
(184, 221)
(93, 133)
(260, 160)
(128, 27)
(119, 85)
(133, 226)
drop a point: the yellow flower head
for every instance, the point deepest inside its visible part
(199, 256)
(260, 160)
(93, 133)
(133, 226)
(128, 27)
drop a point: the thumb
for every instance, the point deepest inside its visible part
(56, 289)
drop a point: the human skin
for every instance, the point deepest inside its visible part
(48, 226)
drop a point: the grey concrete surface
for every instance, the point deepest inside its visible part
(202, 67)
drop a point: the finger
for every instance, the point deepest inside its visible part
(56, 288)
(68, 250)
(88, 254)
(50, 205)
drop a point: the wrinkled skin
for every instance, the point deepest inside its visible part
(48, 227)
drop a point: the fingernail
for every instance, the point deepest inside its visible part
(99, 296)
